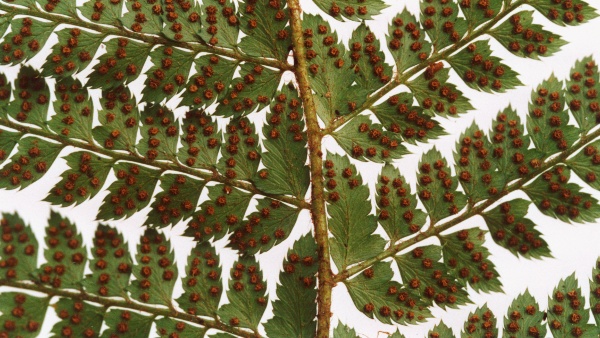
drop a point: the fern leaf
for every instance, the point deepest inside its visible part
(32, 98)
(102, 11)
(352, 10)
(480, 323)
(119, 120)
(26, 39)
(368, 59)
(201, 140)
(73, 53)
(406, 41)
(524, 318)
(120, 65)
(343, 331)
(220, 23)
(213, 76)
(177, 200)
(74, 109)
(168, 74)
(19, 249)
(295, 309)
(479, 12)
(440, 330)
(576, 13)
(160, 132)
(567, 313)
(397, 334)
(167, 327)
(265, 24)
(585, 164)
(22, 314)
(582, 93)
(8, 141)
(126, 324)
(595, 292)
(241, 155)
(182, 20)
(350, 221)
(77, 319)
(143, 17)
(441, 22)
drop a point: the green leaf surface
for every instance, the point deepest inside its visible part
(265, 24)
(31, 98)
(479, 12)
(396, 205)
(436, 95)
(285, 142)
(586, 164)
(22, 314)
(126, 324)
(177, 200)
(246, 295)
(368, 59)
(77, 319)
(582, 93)
(343, 331)
(160, 134)
(119, 120)
(167, 327)
(572, 13)
(201, 140)
(121, 64)
(202, 284)
(240, 152)
(511, 230)
(295, 308)
(168, 75)
(143, 17)
(441, 22)
(220, 23)
(155, 272)
(74, 110)
(524, 318)
(130, 193)
(595, 292)
(102, 11)
(27, 37)
(8, 141)
(111, 264)
(182, 20)
(350, 220)
(73, 52)
(520, 36)
(83, 179)
(481, 323)
(209, 83)
(18, 254)
(352, 10)
(567, 311)
(367, 141)
(441, 330)
(406, 41)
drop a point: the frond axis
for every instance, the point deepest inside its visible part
(151, 39)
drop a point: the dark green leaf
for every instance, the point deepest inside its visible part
(22, 314)
(131, 191)
(77, 319)
(350, 220)
(246, 295)
(73, 52)
(18, 249)
(567, 313)
(241, 152)
(441, 22)
(481, 323)
(595, 292)
(353, 10)
(265, 24)
(8, 141)
(368, 58)
(407, 42)
(168, 75)
(102, 11)
(177, 200)
(143, 17)
(343, 331)
(397, 334)
(160, 134)
(204, 87)
(168, 328)
(74, 110)
(524, 317)
(126, 324)
(586, 164)
(182, 20)
(121, 64)
(295, 308)
(441, 330)
(201, 140)
(155, 272)
(478, 12)
(572, 13)
(582, 93)
(512, 231)
(26, 39)
(119, 120)
(32, 98)
(220, 23)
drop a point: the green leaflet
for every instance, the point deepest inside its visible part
(524, 317)
(475, 171)
(406, 41)
(29, 164)
(249, 91)
(8, 141)
(103, 11)
(28, 316)
(83, 180)
(468, 260)
(18, 249)
(65, 255)
(182, 20)
(377, 296)
(5, 90)
(177, 200)
(77, 319)
(556, 197)
(425, 276)
(331, 75)
(441, 330)
(74, 110)
(595, 292)
(343, 331)
(480, 70)
(167, 327)
(220, 23)
(201, 140)
(441, 22)
(367, 141)
(32, 98)
(582, 93)
(436, 187)
(126, 324)
(522, 37)
(547, 123)
(479, 12)
(397, 334)
(368, 58)
(202, 285)
(241, 151)
(265, 24)
(268, 226)
(567, 313)
(119, 120)
(352, 10)
(574, 13)
(285, 142)
(111, 264)
(121, 64)
(131, 191)
(73, 52)
(143, 16)
(225, 208)
(480, 323)
(168, 75)
(26, 39)
(295, 308)
(398, 115)
(213, 76)
(155, 272)
(5, 20)
(586, 164)
(350, 220)
(246, 295)
(436, 95)
(511, 230)
(160, 133)
(396, 205)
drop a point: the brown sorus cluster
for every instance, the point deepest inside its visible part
(237, 98)
(297, 264)
(74, 319)
(73, 105)
(127, 195)
(374, 134)
(116, 63)
(31, 92)
(211, 220)
(482, 268)
(591, 152)
(154, 268)
(285, 118)
(486, 324)
(141, 9)
(276, 12)
(111, 262)
(480, 5)
(69, 56)
(417, 123)
(119, 107)
(248, 278)
(508, 142)
(567, 305)
(446, 15)
(385, 188)
(241, 147)
(517, 318)
(438, 174)
(405, 30)
(345, 175)
(222, 10)
(162, 77)
(17, 244)
(159, 126)
(549, 106)
(29, 164)
(80, 182)
(584, 89)
(564, 201)
(173, 333)
(516, 233)
(178, 11)
(476, 148)
(199, 131)
(20, 44)
(441, 95)
(99, 6)
(202, 278)
(567, 11)
(369, 49)
(483, 71)
(349, 11)
(169, 204)
(529, 39)
(250, 234)
(19, 319)
(204, 87)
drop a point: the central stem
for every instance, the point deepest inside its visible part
(318, 214)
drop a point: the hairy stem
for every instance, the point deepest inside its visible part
(316, 170)
(401, 79)
(435, 230)
(127, 304)
(151, 39)
(131, 157)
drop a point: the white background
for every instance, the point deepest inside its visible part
(574, 247)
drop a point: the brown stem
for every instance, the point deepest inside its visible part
(316, 170)
(401, 79)
(148, 38)
(477, 210)
(127, 304)
(173, 166)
